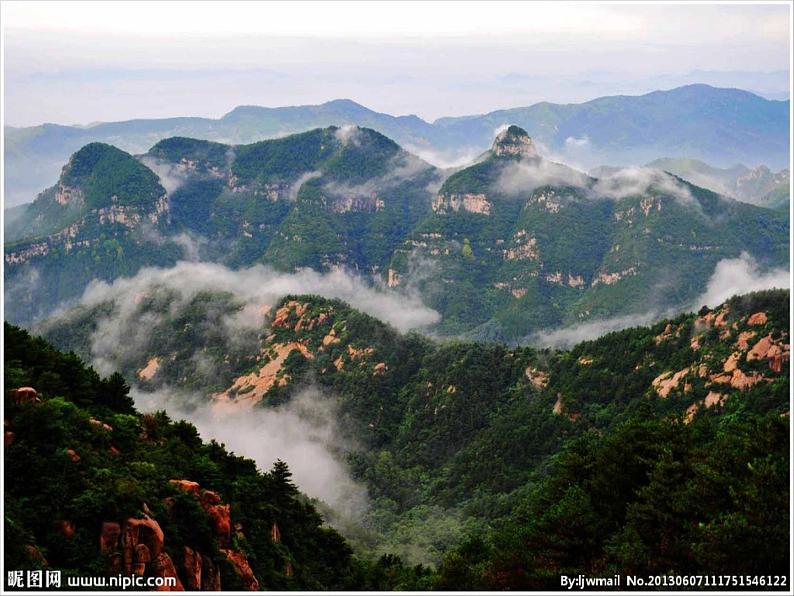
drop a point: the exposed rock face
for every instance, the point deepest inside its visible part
(99, 424)
(393, 279)
(67, 528)
(34, 554)
(346, 204)
(525, 247)
(610, 278)
(66, 195)
(743, 340)
(25, 395)
(243, 569)
(758, 318)
(148, 371)
(210, 501)
(473, 203)
(775, 353)
(275, 534)
(712, 399)
(210, 575)
(73, 455)
(514, 142)
(163, 566)
(109, 538)
(9, 436)
(146, 532)
(762, 349)
(538, 378)
(668, 381)
(192, 563)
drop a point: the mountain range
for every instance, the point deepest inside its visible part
(508, 246)
(719, 126)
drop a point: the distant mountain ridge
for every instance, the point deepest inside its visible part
(508, 246)
(720, 126)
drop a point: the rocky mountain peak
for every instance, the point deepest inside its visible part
(514, 141)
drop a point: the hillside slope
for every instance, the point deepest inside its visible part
(456, 439)
(94, 487)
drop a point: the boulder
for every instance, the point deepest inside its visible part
(186, 485)
(758, 318)
(24, 395)
(760, 349)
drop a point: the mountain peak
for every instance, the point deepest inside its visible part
(514, 141)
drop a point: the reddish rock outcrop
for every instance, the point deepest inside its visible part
(67, 528)
(743, 340)
(109, 538)
(99, 424)
(668, 381)
(275, 534)
(761, 349)
(192, 563)
(210, 501)
(187, 485)
(144, 532)
(758, 318)
(242, 569)
(538, 378)
(210, 575)
(73, 455)
(163, 566)
(24, 395)
(9, 436)
(34, 554)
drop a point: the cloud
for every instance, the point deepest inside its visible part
(500, 129)
(634, 181)
(135, 317)
(446, 160)
(121, 334)
(577, 143)
(170, 177)
(731, 277)
(402, 167)
(740, 276)
(190, 244)
(518, 177)
(349, 133)
(305, 433)
(302, 179)
(569, 336)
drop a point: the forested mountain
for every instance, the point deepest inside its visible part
(720, 126)
(93, 487)
(758, 186)
(510, 245)
(651, 450)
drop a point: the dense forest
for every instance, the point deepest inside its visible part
(651, 450)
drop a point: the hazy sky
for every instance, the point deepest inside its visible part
(75, 62)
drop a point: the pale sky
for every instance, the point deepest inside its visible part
(81, 62)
